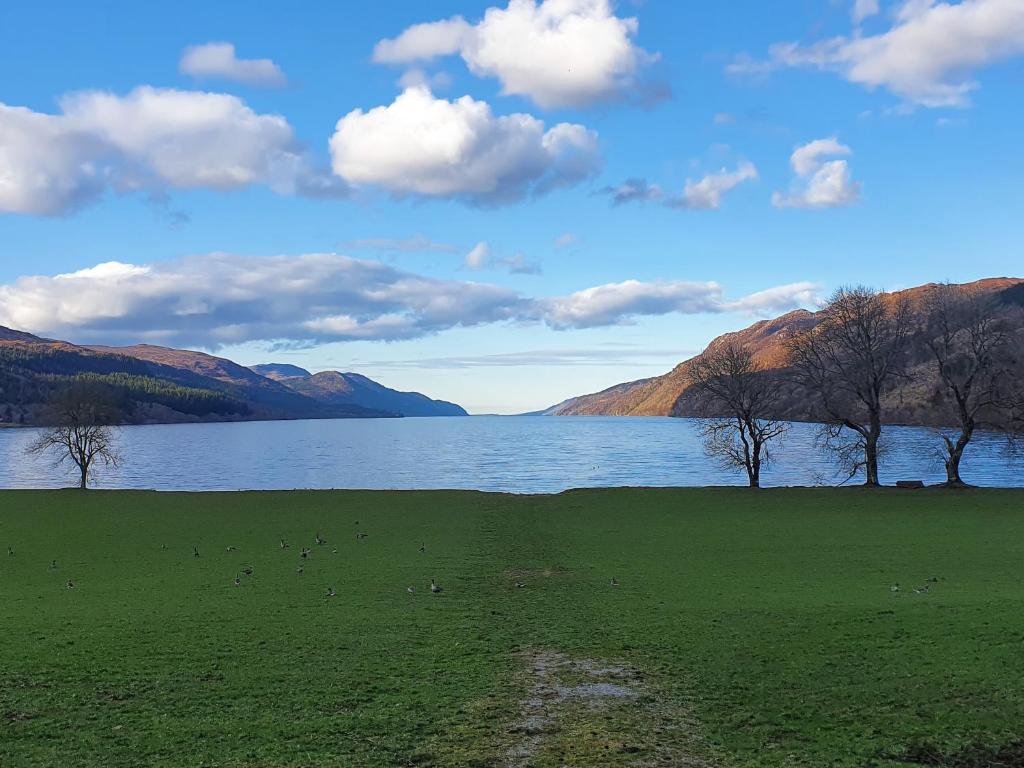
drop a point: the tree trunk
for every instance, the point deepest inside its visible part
(871, 460)
(954, 454)
(84, 484)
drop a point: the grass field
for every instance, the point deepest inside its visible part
(746, 629)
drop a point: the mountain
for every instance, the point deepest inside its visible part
(334, 388)
(666, 395)
(153, 384)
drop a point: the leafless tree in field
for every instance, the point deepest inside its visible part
(848, 361)
(80, 429)
(971, 338)
(737, 397)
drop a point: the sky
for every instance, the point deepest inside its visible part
(503, 205)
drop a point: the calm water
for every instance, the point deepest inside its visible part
(522, 455)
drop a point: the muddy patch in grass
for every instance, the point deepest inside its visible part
(586, 712)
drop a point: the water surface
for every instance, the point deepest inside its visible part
(492, 453)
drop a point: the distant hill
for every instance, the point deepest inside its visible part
(667, 395)
(334, 388)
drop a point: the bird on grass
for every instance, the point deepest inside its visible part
(10, 551)
(334, 551)
(922, 590)
(435, 587)
(411, 589)
(423, 547)
(238, 581)
(195, 551)
(615, 582)
(895, 587)
(320, 541)
(247, 570)
(53, 566)
(520, 585)
(331, 592)
(361, 535)
(299, 570)
(71, 584)
(305, 553)
(934, 580)
(284, 544)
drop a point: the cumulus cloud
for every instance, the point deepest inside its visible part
(481, 256)
(698, 195)
(558, 53)
(431, 147)
(150, 140)
(219, 299)
(820, 183)
(926, 57)
(218, 60)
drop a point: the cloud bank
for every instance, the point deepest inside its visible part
(219, 299)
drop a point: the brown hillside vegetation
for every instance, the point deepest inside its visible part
(667, 395)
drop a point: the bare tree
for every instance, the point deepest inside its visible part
(79, 428)
(970, 338)
(848, 361)
(737, 397)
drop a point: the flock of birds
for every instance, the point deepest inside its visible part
(304, 554)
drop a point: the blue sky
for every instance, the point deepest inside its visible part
(185, 187)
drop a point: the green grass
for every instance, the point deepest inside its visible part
(760, 626)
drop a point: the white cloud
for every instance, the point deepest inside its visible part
(149, 140)
(706, 194)
(423, 42)
(620, 303)
(927, 57)
(781, 298)
(478, 257)
(863, 9)
(559, 53)
(566, 239)
(423, 145)
(724, 118)
(218, 60)
(218, 299)
(821, 184)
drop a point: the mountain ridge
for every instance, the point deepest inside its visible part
(162, 385)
